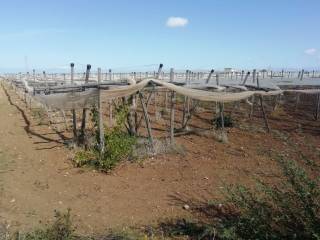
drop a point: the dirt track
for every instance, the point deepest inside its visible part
(37, 177)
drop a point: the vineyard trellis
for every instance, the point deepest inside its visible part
(76, 92)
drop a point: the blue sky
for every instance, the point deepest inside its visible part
(133, 35)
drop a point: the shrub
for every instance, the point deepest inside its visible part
(119, 146)
(118, 143)
(60, 229)
(290, 210)
(227, 120)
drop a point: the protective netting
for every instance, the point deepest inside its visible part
(304, 91)
(68, 101)
(89, 97)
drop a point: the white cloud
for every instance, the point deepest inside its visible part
(177, 22)
(310, 51)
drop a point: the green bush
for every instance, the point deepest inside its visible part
(60, 229)
(227, 120)
(290, 210)
(118, 143)
(119, 146)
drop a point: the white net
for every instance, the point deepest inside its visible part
(89, 97)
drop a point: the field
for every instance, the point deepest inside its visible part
(37, 175)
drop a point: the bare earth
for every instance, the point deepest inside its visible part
(37, 176)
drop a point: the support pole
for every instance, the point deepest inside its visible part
(101, 128)
(74, 115)
(301, 75)
(242, 74)
(110, 114)
(297, 100)
(223, 133)
(146, 117)
(317, 107)
(173, 101)
(171, 75)
(110, 75)
(245, 78)
(263, 110)
(217, 79)
(141, 118)
(159, 70)
(45, 79)
(84, 111)
(209, 76)
(254, 74)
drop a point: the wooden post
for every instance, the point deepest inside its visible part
(110, 114)
(223, 133)
(45, 79)
(297, 100)
(209, 76)
(147, 104)
(246, 78)
(101, 128)
(155, 93)
(217, 79)
(84, 111)
(262, 108)
(171, 75)
(254, 73)
(159, 70)
(74, 115)
(187, 77)
(301, 75)
(110, 75)
(185, 100)
(317, 107)
(146, 117)
(173, 101)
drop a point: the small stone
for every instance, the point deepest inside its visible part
(186, 207)
(206, 178)
(13, 200)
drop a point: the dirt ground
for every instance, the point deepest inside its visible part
(37, 175)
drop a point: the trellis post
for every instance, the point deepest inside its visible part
(254, 74)
(262, 108)
(101, 128)
(209, 76)
(74, 115)
(146, 117)
(317, 107)
(173, 100)
(84, 111)
(301, 75)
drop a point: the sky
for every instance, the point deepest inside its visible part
(134, 35)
